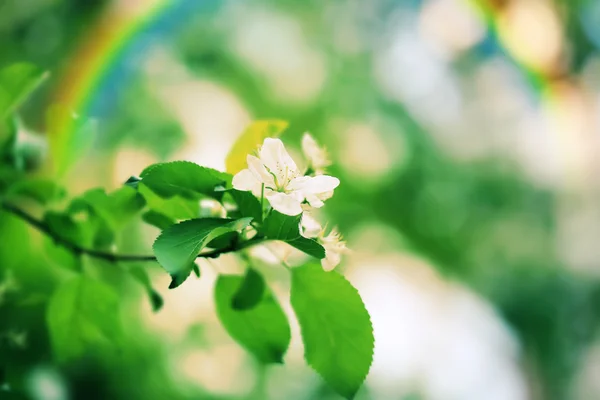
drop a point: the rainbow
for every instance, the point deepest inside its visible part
(109, 54)
(492, 14)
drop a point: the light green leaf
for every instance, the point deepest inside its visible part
(250, 140)
(263, 330)
(83, 317)
(159, 220)
(183, 178)
(17, 81)
(116, 208)
(141, 275)
(336, 327)
(248, 205)
(176, 207)
(61, 256)
(178, 246)
(80, 226)
(250, 292)
(40, 190)
(283, 227)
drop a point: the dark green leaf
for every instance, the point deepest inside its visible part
(178, 246)
(64, 227)
(40, 190)
(176, 207)
(17, 81)
(250, 292)
(250, 140)
(133, 182)
(196, 270)
(263, 330)
(156, 300)
(224, 241)
(283, 227)
(8, 139)
(248, 205)
(178, 278)
(80, 226)
(154, 218)
(83, 316)
(183, 178)
(336, 327)
(308, 246)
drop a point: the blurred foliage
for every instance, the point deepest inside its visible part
(481, 222)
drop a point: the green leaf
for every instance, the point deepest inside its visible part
(250, 140)
(278, 226)
(116, 208)
(224, 241)
(248, 205)
(159, 220)
(263, 330)
(141, 275)
(196, 270)
(61, 256)
(283, 227)
(40, 190)
(176, 207)
(178, 246)
(336, 327)
(83, 316)
(132, 181)
(8, 139)
(250, 292)
(308, 246)
(183, 178)
(80, 225)
(63, 226)
(179, 277)
(17, 81)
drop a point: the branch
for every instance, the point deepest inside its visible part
(77, 249)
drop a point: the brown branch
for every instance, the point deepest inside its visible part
(77, 249)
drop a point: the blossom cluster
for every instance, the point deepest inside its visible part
(272, 174)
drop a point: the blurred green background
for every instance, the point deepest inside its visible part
(467, 139)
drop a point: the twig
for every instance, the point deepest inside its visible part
(77, 249)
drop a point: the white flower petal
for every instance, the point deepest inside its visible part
(310, 227)
(276, 158)
(309, 145)
(245, 180)
(287, 204)
(317, 156)
(315, 185)
(314, 201)
(325, 195)
(260, 172)
(332, 259)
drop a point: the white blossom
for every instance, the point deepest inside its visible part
(317, 156)
(333, 243)
(284, 185)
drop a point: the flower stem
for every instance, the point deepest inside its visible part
(262, 201)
